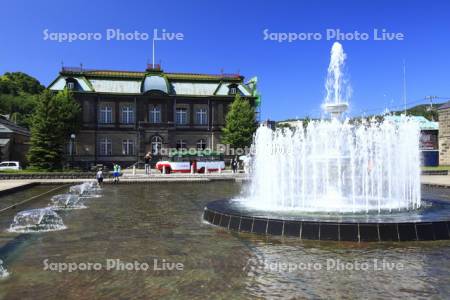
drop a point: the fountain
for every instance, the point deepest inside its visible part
(3, 271)
(37, 220)
(87, 189)
(336, 179)
(336, 85)
(66, 202)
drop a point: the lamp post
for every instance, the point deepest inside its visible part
(72, 141)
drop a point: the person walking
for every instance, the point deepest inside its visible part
(99, 177)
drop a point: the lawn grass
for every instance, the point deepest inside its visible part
(36, 171)
(438, 168)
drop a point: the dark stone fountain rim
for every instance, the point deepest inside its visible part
(430, 223)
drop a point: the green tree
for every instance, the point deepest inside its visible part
(55, 118)
(240, 124)
(18, 82)
(18, 96)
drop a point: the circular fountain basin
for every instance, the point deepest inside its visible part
(430, 222)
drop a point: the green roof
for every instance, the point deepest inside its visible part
(140, 75)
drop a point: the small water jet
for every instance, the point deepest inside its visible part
(87, 189)
(67, 202)
(3, 271)
(336, 85)
(37, 220)
(336, 179)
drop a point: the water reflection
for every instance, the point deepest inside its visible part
(163, 221)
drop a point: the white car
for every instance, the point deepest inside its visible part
(9, 165)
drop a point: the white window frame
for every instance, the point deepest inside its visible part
(182, 143)
(70, 85)
(128, 146)
(155, 115)
(202, 116)
(105, 146)
(156, 144)
(201, 143)
(105, 114)
(181, 116)
(127, 114)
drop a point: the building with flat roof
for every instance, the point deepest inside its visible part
(126, 114)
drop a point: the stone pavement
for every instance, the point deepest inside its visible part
(9, 186)
(436, 180)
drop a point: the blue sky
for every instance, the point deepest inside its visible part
(228, 36)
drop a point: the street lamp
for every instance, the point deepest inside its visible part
(71, 144)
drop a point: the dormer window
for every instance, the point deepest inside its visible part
(233, 89)
(71, 83)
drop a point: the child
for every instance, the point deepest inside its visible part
(99, 177)
(116, 173)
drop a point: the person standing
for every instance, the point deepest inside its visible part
(99, 177)
(234, 164)
(119, 170)
(147, 160)
(116, 173)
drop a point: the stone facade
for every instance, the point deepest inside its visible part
(127, 114)
(444, 134)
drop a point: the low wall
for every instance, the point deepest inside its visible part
(435, 172)
(52, 175)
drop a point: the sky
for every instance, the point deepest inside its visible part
(229, 36)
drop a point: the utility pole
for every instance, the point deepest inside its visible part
(404, 86)
(430, 98)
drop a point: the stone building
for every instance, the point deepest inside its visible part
(444, 134)
(126, 114)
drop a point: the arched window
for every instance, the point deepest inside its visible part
(181, 144)
(201, 144)
(156, 143)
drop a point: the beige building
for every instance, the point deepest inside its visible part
(127, 114)
(444, 134)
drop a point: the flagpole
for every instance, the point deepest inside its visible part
(153, 53)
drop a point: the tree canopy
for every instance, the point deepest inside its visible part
(55, 118)
(240, 124)
(18, 96)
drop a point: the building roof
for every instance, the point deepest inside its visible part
(7, 126)
(135, 82)
(446, 105)
(424, 123)
(4, 142)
